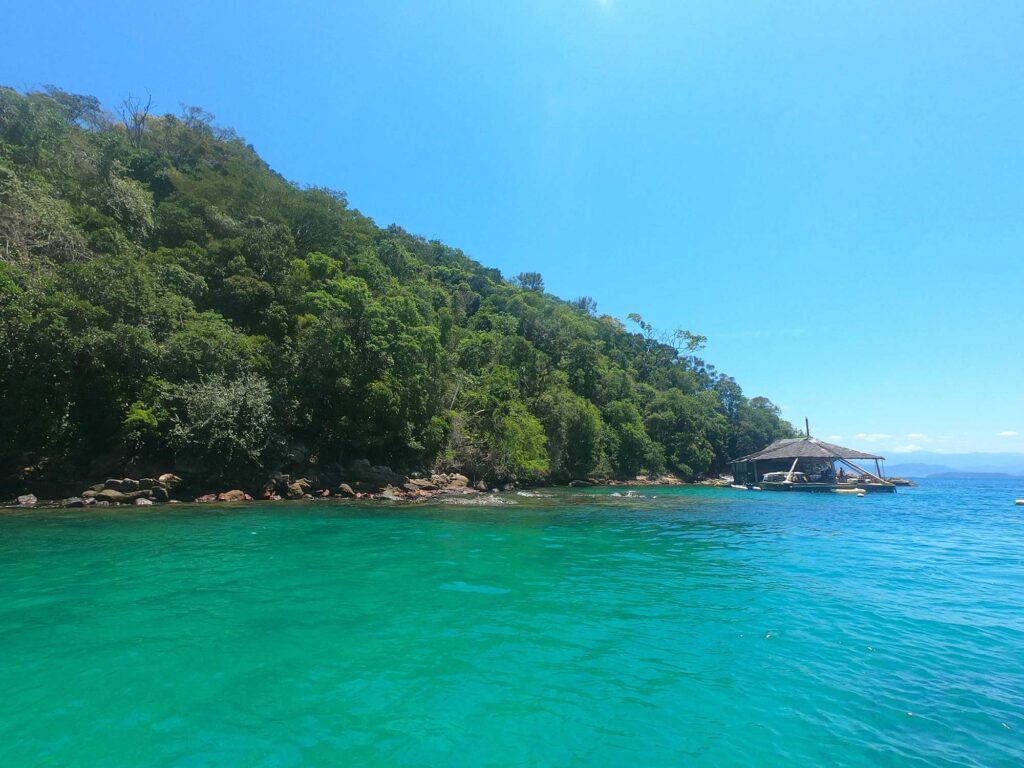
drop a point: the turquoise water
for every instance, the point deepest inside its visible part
(687, 627)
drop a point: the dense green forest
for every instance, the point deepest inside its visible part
(167, 301)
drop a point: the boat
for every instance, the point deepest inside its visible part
(808, 465)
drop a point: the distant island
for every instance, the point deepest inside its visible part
(172, 307)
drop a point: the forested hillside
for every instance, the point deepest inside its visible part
(168, 301)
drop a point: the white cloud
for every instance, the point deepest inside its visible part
(906, 448)
(917, 436)
(872, 437)
(1007, 433)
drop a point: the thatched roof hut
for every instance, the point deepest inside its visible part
(807, 453)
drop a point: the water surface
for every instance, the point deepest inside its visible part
(684, 626)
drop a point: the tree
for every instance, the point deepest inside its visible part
(530, 281)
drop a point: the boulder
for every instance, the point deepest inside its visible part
(363, 471)
(411, 487)
(74, 501)
(147, 482)
(124, 485)
(480, 485)
(345, 491)
(90, 494)
(160, 493)
(392, 494)
(458, 481)
(131, 496)
(295, 491)
(169, 481)
(234, 495)
(143, 502)
(206, 498)
(421, 484)
(27, 500)
(97, 488)
(111, 496)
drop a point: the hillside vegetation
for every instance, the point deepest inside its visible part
(168, 301)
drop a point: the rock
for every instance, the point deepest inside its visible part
(508, 487)
(90, 494)
(111, 496)
(295, 491)
(480, 485)
(169, 481)
(234, 495)
(147, 482)
(97, 488)
(345, 491)
(363, 471)
(439, 480)
(124, 485)
(143, 502)
(27, 500)
(411, 487)
(391, 493)
(74, 501)
(458, 481)
(423, 485)
(160, 493)
(206, 498)
(131, 496)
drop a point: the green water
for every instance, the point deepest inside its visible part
(688, 627)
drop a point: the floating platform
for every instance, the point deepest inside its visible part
(828, 487)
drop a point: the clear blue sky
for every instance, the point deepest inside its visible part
(833, 193)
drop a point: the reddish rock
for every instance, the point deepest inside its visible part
(234, 495)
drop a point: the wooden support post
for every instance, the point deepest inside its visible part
(789, 477)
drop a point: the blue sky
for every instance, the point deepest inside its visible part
(833, 193)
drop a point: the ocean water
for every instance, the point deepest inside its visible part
(563, 628)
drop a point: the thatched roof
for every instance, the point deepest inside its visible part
(806, 447)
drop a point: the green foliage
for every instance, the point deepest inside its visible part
(167, 298)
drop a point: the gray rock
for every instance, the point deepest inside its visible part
(141, 502)
(133, 495)
(90, 494)
(147, 482)
(458, 481)
(74, 501)
(363, 471)
(160, 493)
(345, 491)
(113, 484)
(111, 496)
(27, 500)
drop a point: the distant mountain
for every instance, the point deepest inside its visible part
(975, 476)
(925, 463)
(917, 470)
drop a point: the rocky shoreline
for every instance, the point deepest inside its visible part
(360, 480)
